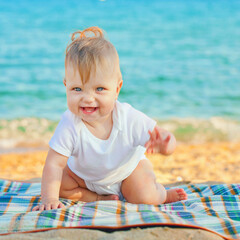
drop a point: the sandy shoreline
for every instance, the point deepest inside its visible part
(219, 161)
(26, 133)
(190, 162)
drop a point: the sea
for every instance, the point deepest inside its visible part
(180, 59)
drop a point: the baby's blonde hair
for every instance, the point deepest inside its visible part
(87, 52)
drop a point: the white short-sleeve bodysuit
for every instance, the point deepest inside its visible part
(104, 164)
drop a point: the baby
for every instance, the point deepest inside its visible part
(98, 149)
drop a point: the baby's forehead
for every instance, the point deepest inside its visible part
(104, 66)
(98, 74)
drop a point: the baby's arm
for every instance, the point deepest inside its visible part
(161, 141)
(51, 181)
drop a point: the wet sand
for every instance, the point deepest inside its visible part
(219, 161)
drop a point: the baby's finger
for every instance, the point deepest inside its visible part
(36, 208)
(167, 139)
(61, 205)
(158, 135)
(48, 206)
(57, 205)
(147, 144)
(155, 134)
(42, 207)
(150, 150)
(151, 134)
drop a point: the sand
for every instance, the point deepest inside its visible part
(158, 233)
(196, 163)
(217, 162)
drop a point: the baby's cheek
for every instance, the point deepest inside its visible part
(72, 104)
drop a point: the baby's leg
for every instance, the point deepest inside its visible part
(73, 187)
(141, 187)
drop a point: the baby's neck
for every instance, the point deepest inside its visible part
(101, 130)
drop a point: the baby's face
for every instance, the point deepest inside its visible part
(93, 101)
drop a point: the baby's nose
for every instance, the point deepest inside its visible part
(88, 98)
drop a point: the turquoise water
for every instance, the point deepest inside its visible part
(179, 58)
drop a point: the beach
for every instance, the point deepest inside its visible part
(219, 161)
(180, 66)
(208, 151)
(215, 162)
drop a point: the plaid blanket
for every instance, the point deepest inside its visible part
(214, 208)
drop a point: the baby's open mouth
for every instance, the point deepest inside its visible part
(88, 110)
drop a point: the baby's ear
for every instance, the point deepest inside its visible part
(64, 82)
(120, 83)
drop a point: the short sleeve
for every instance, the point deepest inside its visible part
(140, 124)
(64, 137)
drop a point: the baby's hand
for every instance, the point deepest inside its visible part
(48, 205)
(159, 142)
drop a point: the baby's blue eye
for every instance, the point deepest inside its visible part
(77, 89)
(99, 89)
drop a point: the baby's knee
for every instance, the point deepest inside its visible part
(153, 193)
(143, 190)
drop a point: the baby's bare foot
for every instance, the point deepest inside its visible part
(107, 197)
(176, 194)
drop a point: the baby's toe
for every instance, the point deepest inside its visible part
(181, 194)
